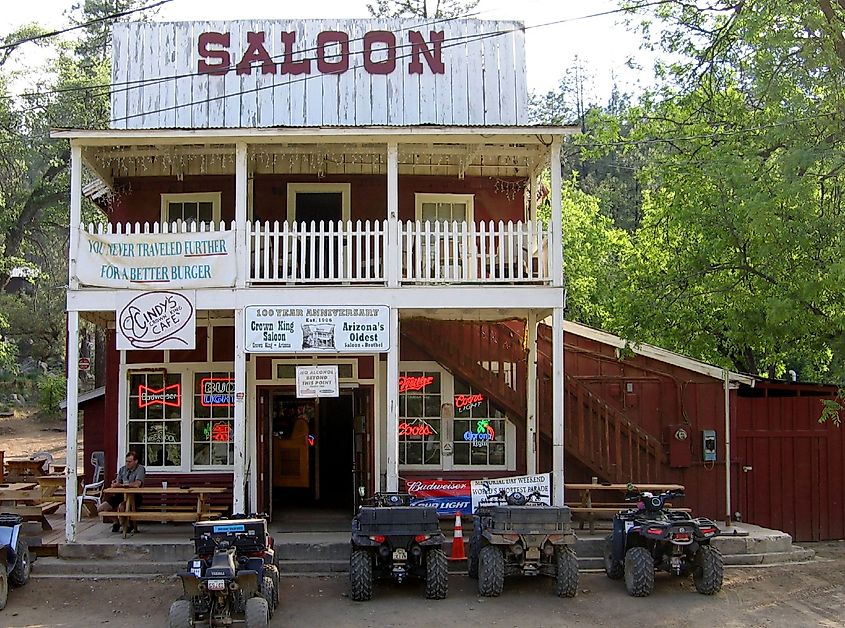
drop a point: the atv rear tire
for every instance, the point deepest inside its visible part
(491, 571)
(181, 614)
(20, 572)
(361, 575)
(273, 572)
(267, 592)
(4, 588)
(639, 572)
(472, 559)
(436, 575)
(614, 569)
(257, 613)
(566, 578)
(708, 570)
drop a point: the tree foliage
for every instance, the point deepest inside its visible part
(438, 9)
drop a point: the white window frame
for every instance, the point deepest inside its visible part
(345, 190)
(428, 197)
(187, 372)
(192, 197)
(447, 391)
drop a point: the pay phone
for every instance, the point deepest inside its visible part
(708, 445)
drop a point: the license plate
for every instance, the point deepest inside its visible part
(216, 585)
(400, 554)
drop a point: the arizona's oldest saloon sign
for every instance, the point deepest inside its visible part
(157, 260)
(266, 73)
(317, 329)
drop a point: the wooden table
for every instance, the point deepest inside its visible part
(24, 499)
(163, 512)
(26, 469)
(587, 506)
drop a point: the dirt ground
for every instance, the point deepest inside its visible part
(798, 595)
(23, 434)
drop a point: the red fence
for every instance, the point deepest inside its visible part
(790, 469)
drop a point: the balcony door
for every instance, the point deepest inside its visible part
(317, 256)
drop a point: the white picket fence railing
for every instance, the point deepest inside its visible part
(355, 252)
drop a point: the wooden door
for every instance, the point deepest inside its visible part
(293, 421)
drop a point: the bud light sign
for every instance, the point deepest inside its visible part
(217, 391)
(448, 496)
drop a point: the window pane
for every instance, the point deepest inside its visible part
(214, 399)
(174, 212)
(206, 212)
(429, 212)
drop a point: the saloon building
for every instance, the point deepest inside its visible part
(317, 236)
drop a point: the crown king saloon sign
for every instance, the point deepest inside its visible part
(318, 73)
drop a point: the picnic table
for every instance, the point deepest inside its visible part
(24, 499)
(602, 507)
(23, 470)
(162, 512)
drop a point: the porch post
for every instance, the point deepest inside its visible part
(242, 257)
(557, 406)
(73, 347)
(392, 440)
(239, 473)
(531, 396)
(394, 256)
(532, 200)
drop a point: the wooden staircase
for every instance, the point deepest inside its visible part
(492, 357)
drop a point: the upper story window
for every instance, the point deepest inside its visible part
(444, 207)
(191, 207)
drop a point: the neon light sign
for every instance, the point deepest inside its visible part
(416, 429)
(217, 391)
(484, 433)
(407, 383)
(167, 396)
(468, 402)
(219, 432)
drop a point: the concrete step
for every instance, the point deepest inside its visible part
(127, 551)
(104, 568)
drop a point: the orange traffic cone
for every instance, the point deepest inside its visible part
(458, 552)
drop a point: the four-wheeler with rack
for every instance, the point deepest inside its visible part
(515, 534)
(653, 537)
(392, 539)
(233, 573)
(14, 556)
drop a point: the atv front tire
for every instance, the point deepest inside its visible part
(4, 588)
(20, 572)
(273, 572)
(181, 614)
(708, 570)
(491, 571)
(639, 572)
(361, 575)
(267, 592)
(566, 579)
(436, 574)
(257, 613)
(614, 569)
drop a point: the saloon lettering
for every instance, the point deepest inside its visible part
(332, 53)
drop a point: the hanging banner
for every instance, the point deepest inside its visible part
(154, 261)
(448, 496)
(525, 484)
(156, 320)
(317, 329)
(317, 381)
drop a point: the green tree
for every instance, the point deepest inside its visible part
(437, 9)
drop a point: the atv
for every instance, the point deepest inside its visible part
(515, 534)
(654, 537)
(234, 572)
(15, 563)
(391, 538)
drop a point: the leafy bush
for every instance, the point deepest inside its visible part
(51, 392)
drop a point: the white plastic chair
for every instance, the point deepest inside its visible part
(93, 492)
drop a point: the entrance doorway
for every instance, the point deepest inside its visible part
(318, 203)
(315, 453)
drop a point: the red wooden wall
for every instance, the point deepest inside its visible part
(796, 480)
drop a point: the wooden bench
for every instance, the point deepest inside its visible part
(145, 515)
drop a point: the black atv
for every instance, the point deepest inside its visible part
(15, 562)
(653, 536)
(233, 573)
(515, 534)
(391, 538)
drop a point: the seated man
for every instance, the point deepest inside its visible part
(130, 475)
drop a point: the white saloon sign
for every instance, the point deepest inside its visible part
(317, 329)
(269, 73)
(153, 261)
(156, 320)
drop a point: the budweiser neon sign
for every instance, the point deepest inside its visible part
(467, 402)
(167, 396)
(408, 383)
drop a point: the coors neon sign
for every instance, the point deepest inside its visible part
(220, 53)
